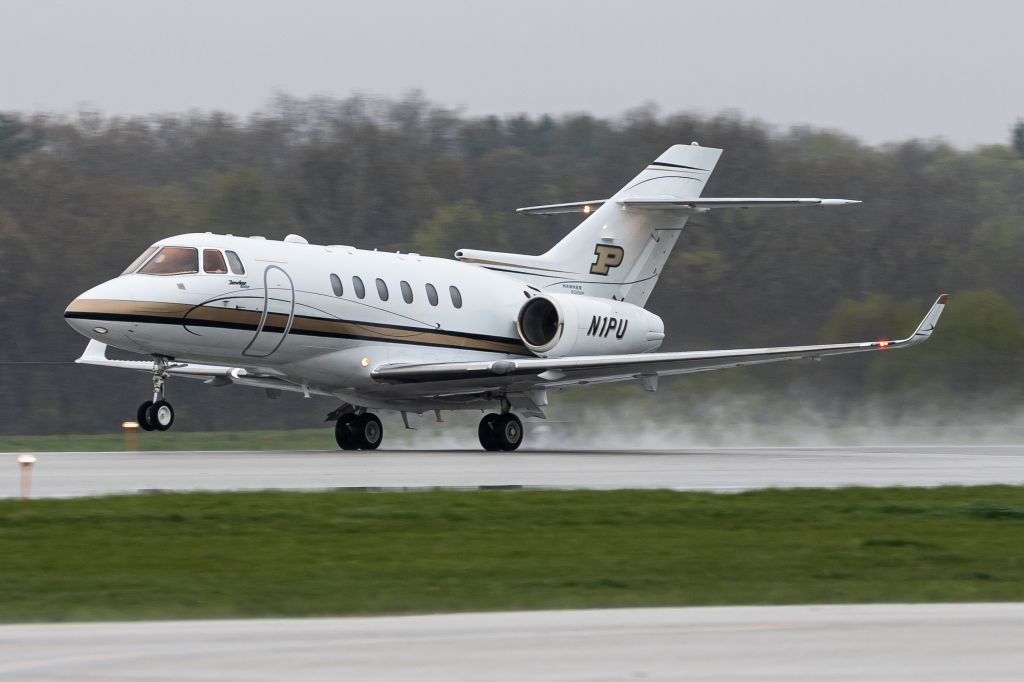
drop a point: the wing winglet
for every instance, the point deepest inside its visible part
(927, 326)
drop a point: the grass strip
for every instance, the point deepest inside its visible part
(205, 555)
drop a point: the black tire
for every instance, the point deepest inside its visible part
(160, 415)
(142, 417)
(368, 431)
(344, 432)
(487, 432)
(508, 432)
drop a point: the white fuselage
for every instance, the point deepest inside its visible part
(283, 316)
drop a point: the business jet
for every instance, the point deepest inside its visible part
(406, 333)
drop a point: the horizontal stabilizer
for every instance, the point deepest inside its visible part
(707, 203)
(677, 204)
(552, 209)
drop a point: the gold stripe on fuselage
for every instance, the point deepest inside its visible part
(184, 314)
(84, 306)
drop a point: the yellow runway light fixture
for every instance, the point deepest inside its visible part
(131, 439)
(25, 462)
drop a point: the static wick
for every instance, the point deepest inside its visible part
(26, 462)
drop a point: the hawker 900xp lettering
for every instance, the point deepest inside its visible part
(602, 326)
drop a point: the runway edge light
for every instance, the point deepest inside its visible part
(131, 430)
(25, 462)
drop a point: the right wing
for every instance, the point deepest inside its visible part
(558, 372)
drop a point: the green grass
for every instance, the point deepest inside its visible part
(283, 439)
(305, 554)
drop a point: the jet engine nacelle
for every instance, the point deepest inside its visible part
(561, 325)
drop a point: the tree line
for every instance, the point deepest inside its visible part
(81, 196)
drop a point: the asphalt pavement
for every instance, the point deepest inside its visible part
(875, 642)
(723, 470)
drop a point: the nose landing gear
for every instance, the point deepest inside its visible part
(500, 432)
(156, 414)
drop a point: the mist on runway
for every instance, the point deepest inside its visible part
(646, 421)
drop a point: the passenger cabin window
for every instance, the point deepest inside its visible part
(236, 263)
(431, 294)
(456, 297)
(406, 291)
(213, 262)
(382, 289)
(336, 285)
(173, 260)
(357, 284)
(140, 260)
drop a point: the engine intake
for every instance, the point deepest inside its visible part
(561, 325)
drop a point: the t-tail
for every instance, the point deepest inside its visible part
(621, 248)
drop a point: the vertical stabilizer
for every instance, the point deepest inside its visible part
(618, 252)
(623, 250)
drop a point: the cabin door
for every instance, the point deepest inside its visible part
(277, 313)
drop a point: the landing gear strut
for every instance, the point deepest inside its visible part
(500, 432)
(156, 414)
(358, 431)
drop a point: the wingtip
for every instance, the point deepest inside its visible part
(942, 299)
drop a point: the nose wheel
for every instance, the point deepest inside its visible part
(500, 432)
(358, 431)
(156, 414)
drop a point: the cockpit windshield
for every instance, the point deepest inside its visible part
(173, 260)
(140, 260)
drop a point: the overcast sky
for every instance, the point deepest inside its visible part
(879, 70)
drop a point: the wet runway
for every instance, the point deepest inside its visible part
(721, 470)
(874, 642)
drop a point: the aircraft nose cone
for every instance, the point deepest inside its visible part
(81, 303)
(79, 316)
(85, 313)
(74, 306)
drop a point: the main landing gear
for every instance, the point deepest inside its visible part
(156, 414)
(358, 431)
(500, 432)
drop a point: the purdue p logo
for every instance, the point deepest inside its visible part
(607, 257)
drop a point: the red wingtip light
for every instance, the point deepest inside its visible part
(883, 344)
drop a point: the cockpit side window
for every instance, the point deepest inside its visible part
(213, 262)
(236, 263)
(140, 260)
(173, 260)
